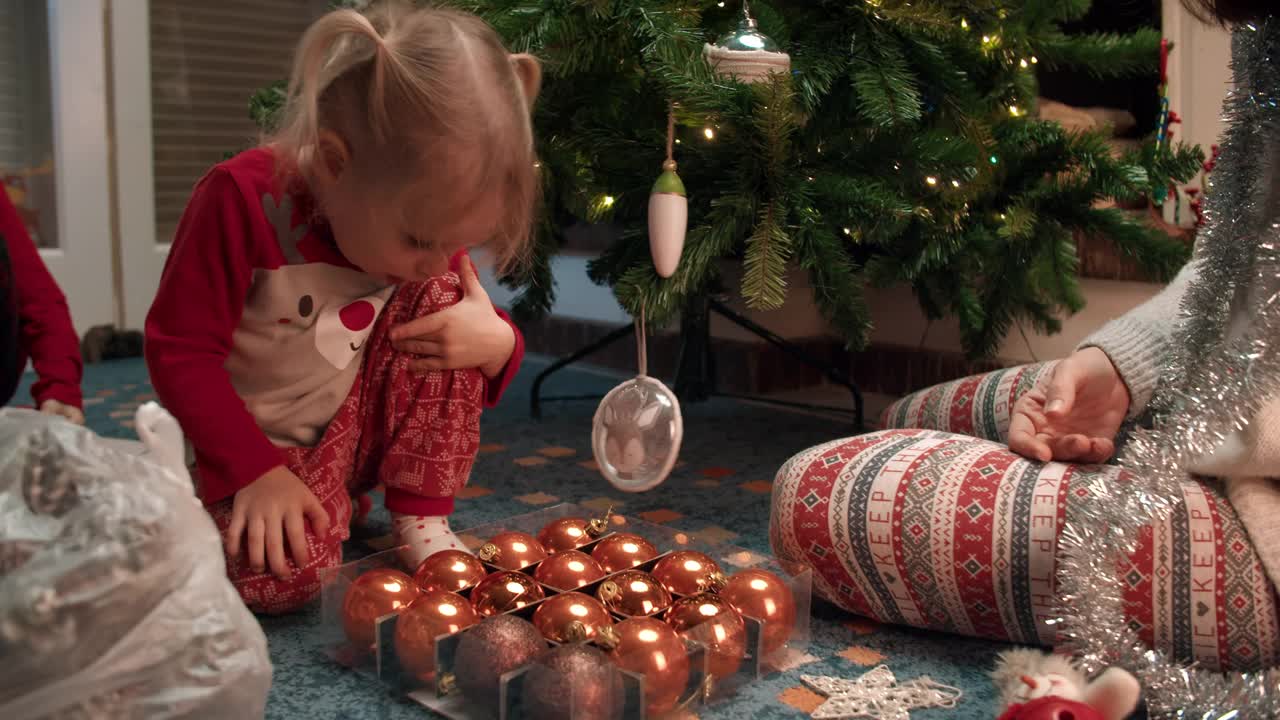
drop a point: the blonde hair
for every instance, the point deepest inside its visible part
(420, 94)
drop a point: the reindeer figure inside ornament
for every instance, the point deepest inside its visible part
(636, 434)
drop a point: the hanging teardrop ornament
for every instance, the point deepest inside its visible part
(668, 211)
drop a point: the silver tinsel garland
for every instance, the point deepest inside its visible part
(1214, 384)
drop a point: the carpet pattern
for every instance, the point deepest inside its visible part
(719, 492)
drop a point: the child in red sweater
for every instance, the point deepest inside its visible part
(35, 324)
(319, 328)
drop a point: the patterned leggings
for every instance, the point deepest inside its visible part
(415, 433)
(945, 528)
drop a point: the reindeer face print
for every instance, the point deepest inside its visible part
(342, 330)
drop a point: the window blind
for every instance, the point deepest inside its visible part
(207, 59)
(12, 100)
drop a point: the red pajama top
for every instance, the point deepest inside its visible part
(257, 331)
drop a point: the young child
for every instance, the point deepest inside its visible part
(35, 324)
(319, 328)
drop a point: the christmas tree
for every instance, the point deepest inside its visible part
(899, 146)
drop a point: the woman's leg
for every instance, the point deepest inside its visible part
(978, 406)
(958, 534)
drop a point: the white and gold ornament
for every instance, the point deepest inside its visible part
(668, 213)
(746, 54)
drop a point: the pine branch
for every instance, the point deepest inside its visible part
(764, 277)
(887, 93)
(1103, 55)
(1043, 12)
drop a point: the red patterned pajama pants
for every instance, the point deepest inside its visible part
(939, 529)
(415, 433)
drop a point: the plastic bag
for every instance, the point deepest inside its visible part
(114, 600)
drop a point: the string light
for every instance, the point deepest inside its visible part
(608, 200)
(986, 39)
(1024, 64)
(955, 183)
(1002, 216)
(847, 231)
(964, 24)
(931, 180)
(1013, 110)
(1034, 60)
(711, 134)
(896, 166)
(995, 160)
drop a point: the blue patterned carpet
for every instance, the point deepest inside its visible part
(721, 490)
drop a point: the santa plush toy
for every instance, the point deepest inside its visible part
(1041, 686)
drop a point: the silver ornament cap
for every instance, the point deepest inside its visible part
(747, 37)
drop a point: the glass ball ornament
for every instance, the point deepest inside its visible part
(634, 593)
(452, 570)
(512, 550)
(711, 620)
(636, 434)
(568, 570)
(764, 596)
(489, 650)
(504, 591)
(574, 682)
(623, 551)
(687, 572)
(569, 533)
(571, 617)
(376, 593)
(651, 648)
(433, 614)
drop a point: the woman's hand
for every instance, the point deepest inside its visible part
(270, 509)
(1076, 419)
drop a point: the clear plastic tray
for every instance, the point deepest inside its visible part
(382, 666)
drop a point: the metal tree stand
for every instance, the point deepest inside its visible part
(695, 367)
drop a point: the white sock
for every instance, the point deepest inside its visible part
(422, 536)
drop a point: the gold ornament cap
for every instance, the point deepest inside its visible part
(489, 552)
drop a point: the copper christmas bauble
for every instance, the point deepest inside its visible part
(569, 533)
(573, 682)
(764, 596)
(504, 591)
(486, 652)
(709, 619)
(571, 617)
(653, 649)
(452, 570)
(686, 572)
(623, 551)
(634, 593)
(568, 570)
(434, 613)
(375, 593)
(512, 550)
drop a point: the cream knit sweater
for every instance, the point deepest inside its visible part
(1248, 463)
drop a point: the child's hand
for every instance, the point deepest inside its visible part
(70, 412)
(269, 509)
(1077, 418)
(467, 335)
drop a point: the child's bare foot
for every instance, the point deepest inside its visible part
(422, 536)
